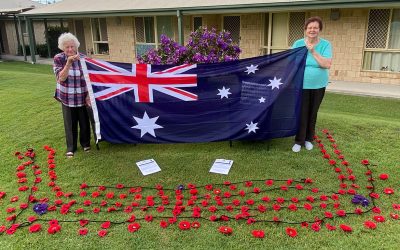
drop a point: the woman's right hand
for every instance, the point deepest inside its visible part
(63, 75)
(310, 47)
(72, 59)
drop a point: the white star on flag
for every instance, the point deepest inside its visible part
(262, 99)
(252, 127)
(251, 69)
(275, 83)
(224, 92)
(146, 125)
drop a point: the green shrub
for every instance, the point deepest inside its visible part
(53, 33)
(27, 50)
(42, 50)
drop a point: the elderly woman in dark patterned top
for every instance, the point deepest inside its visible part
(72, 92)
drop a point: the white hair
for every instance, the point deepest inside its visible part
(66, 37)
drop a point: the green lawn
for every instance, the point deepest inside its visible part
(364, 128)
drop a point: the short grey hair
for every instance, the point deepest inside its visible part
(66, 37)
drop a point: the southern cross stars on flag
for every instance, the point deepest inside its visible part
(146, 125)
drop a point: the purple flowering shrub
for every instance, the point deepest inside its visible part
(204, 46)
(208, 46)
(168, 52)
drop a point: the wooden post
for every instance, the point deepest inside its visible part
(32, 41)
(17, 32)
(22, 39)
(180, 26)
(46, 34)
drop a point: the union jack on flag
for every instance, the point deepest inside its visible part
(140, 79)
(250, 99)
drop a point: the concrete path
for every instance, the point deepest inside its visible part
(39, 60)
(342, 87)
(365, 89)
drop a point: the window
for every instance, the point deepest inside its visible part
(164, 27)
(99, 35)
(147, 29)
(281, 30)
(382, 45)
(197, 22)
(232, 24)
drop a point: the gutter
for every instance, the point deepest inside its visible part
(220, 9)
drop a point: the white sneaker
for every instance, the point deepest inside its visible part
(296, 148)
(308, 145)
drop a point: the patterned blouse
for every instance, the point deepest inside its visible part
(73, 91)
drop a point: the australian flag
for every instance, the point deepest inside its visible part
(251, 99)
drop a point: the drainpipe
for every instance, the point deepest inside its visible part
(180, 26)
(31, 39)
(23, 39)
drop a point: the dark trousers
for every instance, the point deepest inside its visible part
(72, 117)
(311, 100)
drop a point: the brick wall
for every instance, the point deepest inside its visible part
(347, 36)
(121, 39)
(250, 33)
(213, 21)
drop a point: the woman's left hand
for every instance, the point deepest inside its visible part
(87, 100)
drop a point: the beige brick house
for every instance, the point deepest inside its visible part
(365, 34)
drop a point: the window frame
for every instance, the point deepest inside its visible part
(386, 49)
(193, 17)
(155, 30)
(240, 25)
(95, 42)
(144, 31)
(266, 46)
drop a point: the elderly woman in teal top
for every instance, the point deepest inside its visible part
(319, 60)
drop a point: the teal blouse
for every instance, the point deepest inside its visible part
(315, 77)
